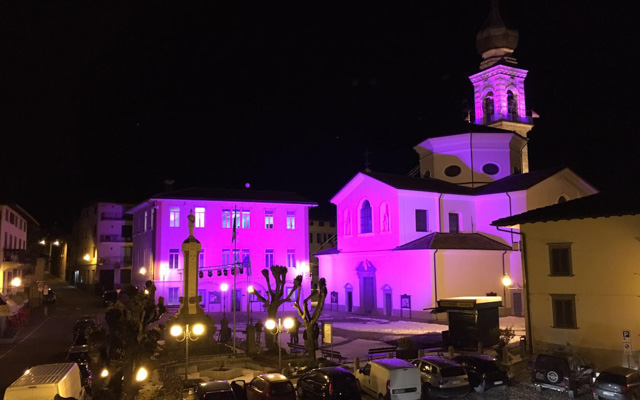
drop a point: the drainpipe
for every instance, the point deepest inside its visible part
(503, 273)
(440, 211)
(471, 150)
(525, 284)
(510, 214)
(435, 278)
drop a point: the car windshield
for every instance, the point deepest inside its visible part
(344, 381)
(449, 372)
(219, 396)
(279, 388)
(607, 377)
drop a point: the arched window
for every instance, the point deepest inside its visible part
(365, 217)
(385, 225)
(562, 199)
(512, 105)
(347, 223)
(487, 106)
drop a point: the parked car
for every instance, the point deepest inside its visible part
(617, 383)
(109, 297)
(48, 381)
(80, 329)
(328, 383)
(49, 297)
(561, 372)
(220, 390)
(483, 371)
(442, 377)
(79, 354)
(270, 386)
(390, 378)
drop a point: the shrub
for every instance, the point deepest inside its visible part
(504, 336)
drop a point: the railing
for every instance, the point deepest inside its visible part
(114, 238)
(488, 119)
(112, 216)
(16, 255)
(115, 261)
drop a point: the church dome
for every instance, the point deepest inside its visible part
(494, 34)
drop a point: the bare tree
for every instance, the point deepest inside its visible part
(276, 296)
(311, 319)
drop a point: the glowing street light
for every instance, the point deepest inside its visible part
(44, 242)
(104, 373)
(142, 271)
(87, 257)
(16, 282)
(186, 335)
(250, 290)
(287, 324)
(506, 280)
(224, 287)
(142, 374)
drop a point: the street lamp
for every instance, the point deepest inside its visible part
(287, 324)
(224, 287)
(250, 291)
(506, 280)
(56, 243)
(186, 336)
(142, 374)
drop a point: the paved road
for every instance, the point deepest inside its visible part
(46, 339)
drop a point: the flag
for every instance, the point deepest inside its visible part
(233, 221)
(534, 114)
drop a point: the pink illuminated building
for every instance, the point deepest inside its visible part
(405, 242)
(271, 228)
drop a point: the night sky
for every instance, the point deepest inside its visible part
(106, 99)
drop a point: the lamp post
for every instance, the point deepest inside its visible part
(186, 335)
(224, 287)
(56, 243)
(250, 291)
(287, 324)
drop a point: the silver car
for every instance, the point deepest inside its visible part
(442, 377)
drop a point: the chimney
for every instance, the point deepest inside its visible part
(168, 185)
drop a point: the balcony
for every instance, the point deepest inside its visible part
(17, 256)
(112, 216)
(114, 238)
(114, 261)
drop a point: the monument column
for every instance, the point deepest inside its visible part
(190, 302)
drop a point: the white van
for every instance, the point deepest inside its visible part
(391, 379)
(44, 382)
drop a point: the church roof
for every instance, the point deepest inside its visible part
(249, 195)
(419, 184)
(331, 250)
(465, 127)
(454, 241)
(494, 34)
(594, 206)
(511, 183)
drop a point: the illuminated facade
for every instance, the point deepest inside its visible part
(13, 234)
(430, 236)
(271, 228)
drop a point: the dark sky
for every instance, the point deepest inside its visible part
(106, 99)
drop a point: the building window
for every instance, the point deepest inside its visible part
(385, 225)
(564, 310)
(226, 218)
(452, 170)
(174, 256)
(173, 297)
(246, 219)
(512, 105)
(311, 238)
(199, 217)
(488, 107)
(291, 220)
(174, 217)
(246, 258)
(236, 256)
(291, 258)
(421, 221)
(268, 220)
(562, 199)
(365, 217)
(490, 169)
(454, 223)
(146, 218)
(268, 258)
(235, 215)
(560, 259)
(226, 257)
(201, 259)
(347, 223)
(318, 238)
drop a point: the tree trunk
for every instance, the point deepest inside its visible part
(310, 343)
(269, 339)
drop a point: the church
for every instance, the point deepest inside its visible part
(405, 242)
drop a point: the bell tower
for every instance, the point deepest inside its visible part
(499, 97)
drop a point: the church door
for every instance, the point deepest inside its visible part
(388, 307)
(368, 292)
(517, 304)
(349, 301)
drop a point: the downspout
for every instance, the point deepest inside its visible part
(435, 279)
(504, 288)
(525, 284)
(510, 214)
(440, 211)
(471, 150)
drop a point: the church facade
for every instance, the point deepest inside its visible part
(404, 242)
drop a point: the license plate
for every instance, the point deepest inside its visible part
(497, 383)
(605, 393)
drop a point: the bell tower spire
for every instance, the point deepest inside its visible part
(499, 96)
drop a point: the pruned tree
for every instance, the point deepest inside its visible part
(276, 296)
(310, 319)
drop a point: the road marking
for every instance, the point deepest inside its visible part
(31, 333)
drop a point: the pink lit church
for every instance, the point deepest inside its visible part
(405, 242)
(271, 228)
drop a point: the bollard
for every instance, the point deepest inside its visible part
(451, 352)
(523, 345)
(505, 355)
(356, 364)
